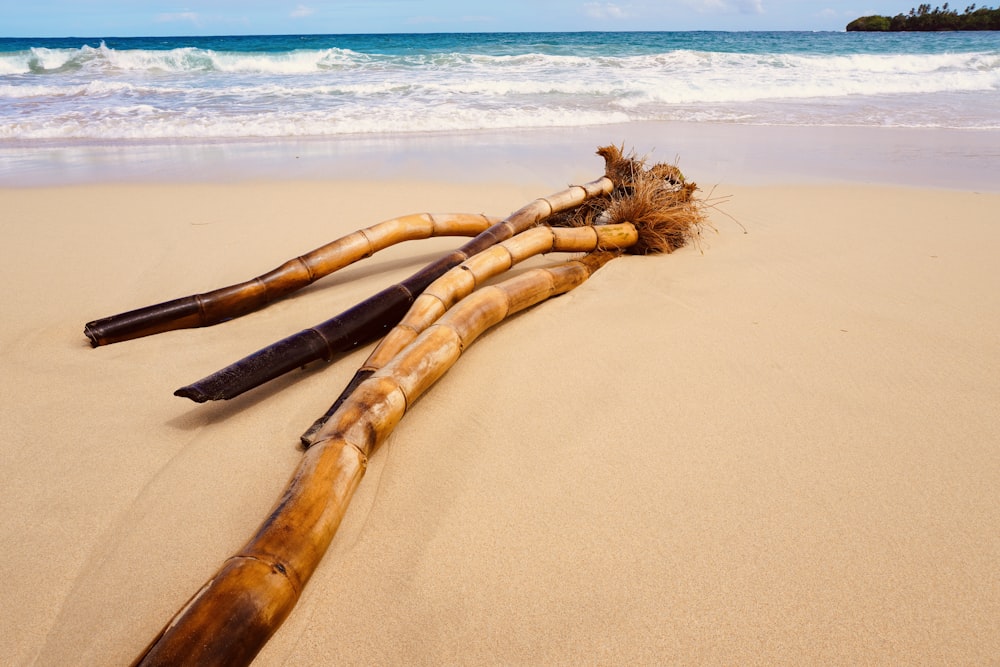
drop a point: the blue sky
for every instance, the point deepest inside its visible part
(97, 18)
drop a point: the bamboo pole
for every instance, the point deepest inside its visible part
(225, 303)
(373, 317)
(461, 280)
(233, 615)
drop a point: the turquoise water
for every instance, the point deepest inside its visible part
(561, 43)
(226, 88)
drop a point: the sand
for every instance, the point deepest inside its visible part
(780, 447)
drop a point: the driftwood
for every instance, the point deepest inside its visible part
(230, 619)
(373, 317)
(226, 303)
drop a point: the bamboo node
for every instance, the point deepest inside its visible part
(461, 267)
(311, 276)
(275, 565)
(198, 299)
(552, 209)
(368, 240)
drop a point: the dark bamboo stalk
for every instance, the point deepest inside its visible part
(372, 318)
(226, 303)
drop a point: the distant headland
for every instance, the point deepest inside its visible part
(924, 19)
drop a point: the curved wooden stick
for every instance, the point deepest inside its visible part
(373, 317)
(461, 280)
(226, 303)
(230, 619)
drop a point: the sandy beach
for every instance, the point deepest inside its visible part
(777, 447)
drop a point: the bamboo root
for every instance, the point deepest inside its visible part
(373, 317)
(225, 303)
(230, 619)
(460, 281)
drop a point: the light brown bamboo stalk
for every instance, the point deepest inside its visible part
(230, 619)
(200, 310)
(460, 281)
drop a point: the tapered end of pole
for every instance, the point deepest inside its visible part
(260, 367)
(219, 386)
(310, 437)
(356, 326)
(194, 393)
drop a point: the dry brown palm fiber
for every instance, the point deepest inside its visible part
(225, 303)
(667, 215)
(233, 615)
(657, 199)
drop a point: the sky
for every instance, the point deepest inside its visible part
(123, 18)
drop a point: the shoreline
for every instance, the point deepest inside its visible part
(777, 447)
(718, 153)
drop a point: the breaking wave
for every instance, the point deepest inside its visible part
(190, 91)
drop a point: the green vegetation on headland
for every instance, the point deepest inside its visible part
(924, 19)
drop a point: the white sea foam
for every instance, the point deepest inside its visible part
(102, 93)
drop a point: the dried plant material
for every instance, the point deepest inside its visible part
(666, 214)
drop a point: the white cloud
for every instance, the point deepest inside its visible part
(424, 20)
(179, 17)
(301, 11)
(727, 6)
(605, 10)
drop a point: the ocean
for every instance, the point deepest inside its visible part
(189, 90)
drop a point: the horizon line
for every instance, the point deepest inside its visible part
(436, 32)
